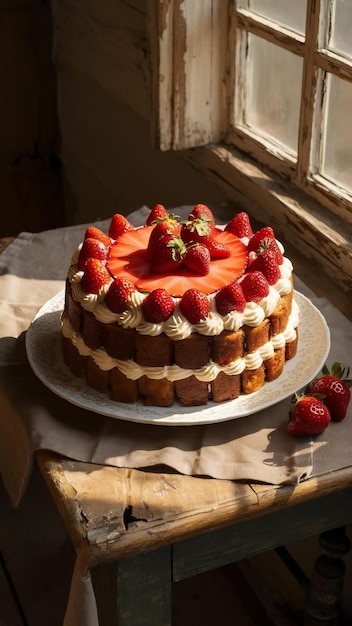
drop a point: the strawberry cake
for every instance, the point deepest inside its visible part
(179, 311)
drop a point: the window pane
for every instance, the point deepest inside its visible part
(337, 132)
(273, 88)
(288, 13)
(341, 25)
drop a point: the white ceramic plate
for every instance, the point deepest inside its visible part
(44, 353)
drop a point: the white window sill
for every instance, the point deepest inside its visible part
(319, 242)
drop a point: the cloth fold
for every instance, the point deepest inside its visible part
(236, 449)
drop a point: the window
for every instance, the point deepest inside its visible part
(261, 92)
(294, 98)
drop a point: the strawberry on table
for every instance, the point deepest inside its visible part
(230, 298)
(157, 306)
(119, 224)
(254, 286)
(240, 225)
(95, 276)
(168, 254)
(91, 249)
(95, 233)
(119, 295)
(334, 389)
(197, 259)
(308, 416)
(158, 212)
(194, 305)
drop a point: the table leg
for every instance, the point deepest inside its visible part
(135, 591)
(323, 600)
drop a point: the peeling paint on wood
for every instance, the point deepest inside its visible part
(190, 60)
(165, 507)
(320, 234)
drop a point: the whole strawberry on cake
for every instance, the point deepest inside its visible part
(178, 311)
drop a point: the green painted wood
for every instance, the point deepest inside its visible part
(135, 591)
(144, 589)
(234, 543)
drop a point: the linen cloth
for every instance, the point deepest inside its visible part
(255, 448)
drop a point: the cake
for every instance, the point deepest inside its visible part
(179, 312)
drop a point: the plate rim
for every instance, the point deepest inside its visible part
(162, 416)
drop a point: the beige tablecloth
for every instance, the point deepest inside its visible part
(257, 447)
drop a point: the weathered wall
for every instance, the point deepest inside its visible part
(29, 173)
(75, 123)
(109, 162)
(103, 62)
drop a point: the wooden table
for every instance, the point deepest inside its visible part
(141, 531)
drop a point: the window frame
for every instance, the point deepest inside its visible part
(316, 61)
(306, 209)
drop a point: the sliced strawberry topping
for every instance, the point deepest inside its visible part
(266, 263)
(217, 250)
(194, 305)
(195, 229)
(168, 255)
(230, 298)
(162, 227)
(256, 240)
(240, 225)
(95, 233)
(202, 211)
(127, 257)
(201, 231)
(197, 259)
(91, 249)
(95, 276)
(265, 238)
(254, 286)
(158, 212)
(274, 247)
(119, 224)
(119, 295)
(157, 306)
